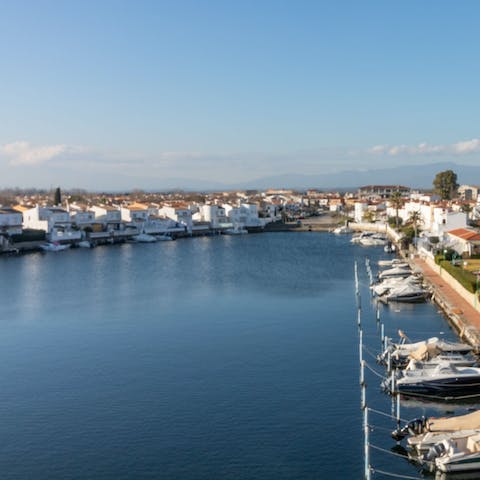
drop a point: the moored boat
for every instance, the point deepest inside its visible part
(53, 247)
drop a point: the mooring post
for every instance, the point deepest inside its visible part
(366, 447)
(398, 411)
(360, 346)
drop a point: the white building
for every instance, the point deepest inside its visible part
(244, 216)
(135, 214)
(464, 241)
(359, 211)
(434, 219)
(109, 216)
(215, 215)
(10, 222)
(182, 216)
(54, 221)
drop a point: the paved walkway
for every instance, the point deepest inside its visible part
(460, 312)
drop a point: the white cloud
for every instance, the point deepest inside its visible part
(460, 148)
(467, 146)
(22, 153)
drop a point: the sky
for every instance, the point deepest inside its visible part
(135, 94)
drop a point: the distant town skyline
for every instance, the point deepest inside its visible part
(122, 94)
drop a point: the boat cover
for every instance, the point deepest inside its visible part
(451, 424)
(425, 352)
(473, 443)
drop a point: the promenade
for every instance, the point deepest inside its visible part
(460, 312)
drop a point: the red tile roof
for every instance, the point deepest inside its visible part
(465, 234)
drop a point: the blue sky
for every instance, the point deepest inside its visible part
(124, 94)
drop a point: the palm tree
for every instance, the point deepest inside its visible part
(397, 202)
(415, 218)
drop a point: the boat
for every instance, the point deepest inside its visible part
(408, 293)
(395, 262)
(389, 283)
(401, 353)
(419, 445)
(395, 272)
(389, 248)
(166, 237)
(53, 247)
(373, 240)
(445, 381)
(84, 244)
(455, 454)
(344, 229)
(358, 238)
(420, 426)
(144, 238)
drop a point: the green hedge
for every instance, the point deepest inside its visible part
(467, 279)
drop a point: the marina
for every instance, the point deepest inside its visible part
(293, 299)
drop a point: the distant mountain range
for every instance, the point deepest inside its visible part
(415, 176)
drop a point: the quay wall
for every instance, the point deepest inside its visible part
(458, 304)
(378, 228)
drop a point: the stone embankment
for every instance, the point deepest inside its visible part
(460, 306)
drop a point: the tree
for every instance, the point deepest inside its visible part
(466, 208)
(397, 202)
(57, 197)
(368, 216)
(445, 184)
(415, 218)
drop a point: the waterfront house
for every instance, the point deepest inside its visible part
(109, 225)
(10, 221)
(54, 221)
(464, 241)
(215, 215)
(244, 216)
(135, 214)
(180, 213)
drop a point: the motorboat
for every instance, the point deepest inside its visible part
(395, 262)
(389, 248)
(53, 247)
(455, 454)
(360, 237)
(408, 293)
(373, 240)
(344, 229)
(421, 426)
(419, 445)
(390, 283)
(395, 272)
(401, 353)
(144, 238)
(84, 244)
(444, 381)
(459, 360)
(164, 238)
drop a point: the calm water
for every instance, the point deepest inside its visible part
(208, 358)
